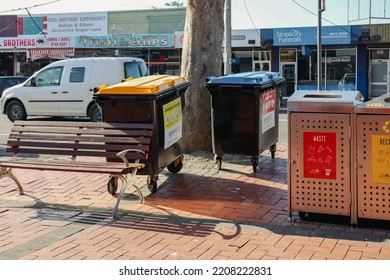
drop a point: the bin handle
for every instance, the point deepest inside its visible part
(322, 96)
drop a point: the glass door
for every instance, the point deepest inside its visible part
(379, 77)
(289, 73)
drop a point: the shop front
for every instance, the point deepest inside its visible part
(298, 57)
(299, 67)
(296, 50)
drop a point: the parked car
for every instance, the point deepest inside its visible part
(65, 88)
(10, 81)
(347, 82)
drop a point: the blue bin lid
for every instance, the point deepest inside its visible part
(247, 78)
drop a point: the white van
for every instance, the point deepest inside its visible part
(66, 87)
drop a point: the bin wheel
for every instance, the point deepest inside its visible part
(112, 185)
(152, 184)
(175, 166)
(302, 215)
(255, 163)
(218, 162)
(273, 150)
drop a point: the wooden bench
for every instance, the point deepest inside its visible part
(116, 149)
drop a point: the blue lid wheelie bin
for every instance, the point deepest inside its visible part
(244, 114)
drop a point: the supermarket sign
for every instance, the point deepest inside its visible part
(62, 25)
(331, 35)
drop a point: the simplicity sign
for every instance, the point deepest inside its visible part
(331, 35)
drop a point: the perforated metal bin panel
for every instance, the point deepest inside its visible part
(373, 158)
(320, 158)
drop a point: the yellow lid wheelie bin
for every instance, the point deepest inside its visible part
(157, 100)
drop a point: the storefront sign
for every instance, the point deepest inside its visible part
(319, 150)
(179, 39)
(240, 38)
(25, 42)
(88, 24)
(268, 101)
(59, 42)
(125, 41)
(172, 122)
(331, 35)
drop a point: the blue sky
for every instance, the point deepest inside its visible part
(246, 14)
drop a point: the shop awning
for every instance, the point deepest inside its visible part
(11, 51)
(51, 53)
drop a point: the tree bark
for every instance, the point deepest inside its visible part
(201, 58)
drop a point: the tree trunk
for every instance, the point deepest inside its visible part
(201, 58)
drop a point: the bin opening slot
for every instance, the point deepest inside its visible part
(322, 96)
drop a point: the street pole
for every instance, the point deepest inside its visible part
(321, 8)
(227, 56)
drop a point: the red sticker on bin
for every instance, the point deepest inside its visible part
(319, 150)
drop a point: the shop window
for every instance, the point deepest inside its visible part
(338, 69)
(287, 55)
(379, 54)
(242, 61)
(163, 61)
(261, 61)
(261, 55)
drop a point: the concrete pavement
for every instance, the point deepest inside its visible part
(199, 213)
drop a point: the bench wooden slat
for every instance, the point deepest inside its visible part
(80, 146)
(72, 166)
(82, 131)
(107, 125)
(84, 139)
(77, 153)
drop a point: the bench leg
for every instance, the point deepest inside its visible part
(7, 172)
(125, 182)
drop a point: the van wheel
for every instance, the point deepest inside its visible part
(95, 113)
(15, 111)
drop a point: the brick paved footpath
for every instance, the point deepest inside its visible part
(199, 213)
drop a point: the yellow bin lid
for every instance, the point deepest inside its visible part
(153, 84)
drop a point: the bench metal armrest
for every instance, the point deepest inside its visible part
(122, 155)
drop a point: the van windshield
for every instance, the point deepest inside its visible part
(135, 69)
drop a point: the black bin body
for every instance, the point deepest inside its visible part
(245, 113)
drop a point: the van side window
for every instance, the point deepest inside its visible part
(132, 70)
(49, 77)
(144, 69)
(77, 75)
